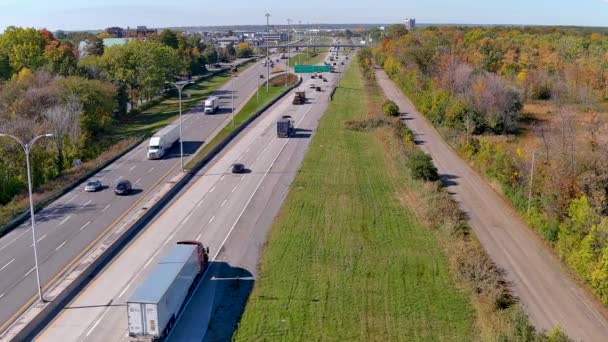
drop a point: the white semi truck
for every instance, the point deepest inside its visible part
(153, 308)
(212, 103)
(162, 141)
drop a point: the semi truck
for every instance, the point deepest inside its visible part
(153, 308)
(285, 127)
(212, 103)
(162, 141)
(299, 98)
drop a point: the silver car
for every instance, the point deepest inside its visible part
(93, 186)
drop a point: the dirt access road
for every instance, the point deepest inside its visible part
(538, 279)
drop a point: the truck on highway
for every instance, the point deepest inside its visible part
(299, 98)
(153, 308)
(162, 141)
(285, 127)
(212, 103)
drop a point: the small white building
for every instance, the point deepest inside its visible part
(410, 23)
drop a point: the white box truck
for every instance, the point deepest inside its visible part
(153, 308)
(212, 103)
(162, 141)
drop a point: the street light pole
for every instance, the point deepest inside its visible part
(267, 52)
(288, 49)
(180, 86)
(234, 75)
(27, 148)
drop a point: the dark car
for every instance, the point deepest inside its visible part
(217, 65)
(123, 187)
(93, 186)
(235, 69)
(261, 76)
(238, 168)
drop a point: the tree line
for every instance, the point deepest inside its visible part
(46, 87)
(472, 83)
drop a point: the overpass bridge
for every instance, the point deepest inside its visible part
(309, 45)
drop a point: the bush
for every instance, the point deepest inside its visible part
(390, 108)
(422, 167)
(365, 125)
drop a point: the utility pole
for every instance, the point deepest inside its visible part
(531, 180)
(179, 85)
(288, 50)
(267, 53)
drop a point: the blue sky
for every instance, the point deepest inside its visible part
(98, 14)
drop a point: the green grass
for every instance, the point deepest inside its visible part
(155, 118)
(304, 58)
(346, 260)
(250, 108)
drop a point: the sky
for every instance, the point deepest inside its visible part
(99, 14)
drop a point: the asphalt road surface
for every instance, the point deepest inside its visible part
(544, 288)
(70, 224)
(230, 213)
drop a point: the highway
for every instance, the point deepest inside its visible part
(229, 213)
(73, 222)
(545, 289)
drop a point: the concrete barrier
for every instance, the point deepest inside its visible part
(34, 319)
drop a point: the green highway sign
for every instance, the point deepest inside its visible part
(307, 69)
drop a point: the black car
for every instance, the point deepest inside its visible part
(123, 187)
(238, 168)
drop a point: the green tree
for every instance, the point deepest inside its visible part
(390, 108)
(421, 166)
(24, 48)
(168, 38)
(243, 50)
(396, 31)
(94, 46)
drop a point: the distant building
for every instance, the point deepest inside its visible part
(223, 42)
(116, 32)
(410, 23)
(140, 32)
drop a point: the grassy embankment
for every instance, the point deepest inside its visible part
(308, 59)
(347, 259)
(277, 87)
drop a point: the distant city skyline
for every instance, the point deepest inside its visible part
(94, 15)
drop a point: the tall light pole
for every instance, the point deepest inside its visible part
(234, 76)
(288, 49)
(27, 148)
(267, 52)
(180, 86)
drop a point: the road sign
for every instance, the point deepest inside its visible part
(307, 69)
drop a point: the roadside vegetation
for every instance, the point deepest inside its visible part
(278, 86)
(500, 95)
(45, 86)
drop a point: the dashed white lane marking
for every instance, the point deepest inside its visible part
(30, 271)
(8, 263)
(89, 201)
(38, 241)
(106, 208)
(152, 169)
(223, 203)
(212, 218)
(233, 189)
(133, 168)
(63, 244)
(187, 218)
(65, 220)
(210, 191)
(137, 181)
(85, 225)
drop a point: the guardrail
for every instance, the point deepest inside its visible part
(38, 315)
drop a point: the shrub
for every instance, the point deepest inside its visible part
(422, 167)
(390, 108)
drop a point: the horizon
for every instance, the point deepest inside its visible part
(79, 15)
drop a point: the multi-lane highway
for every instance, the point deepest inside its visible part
(72, 223)
(229, 213)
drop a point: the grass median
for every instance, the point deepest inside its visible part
(346, 259)
(308, 59)
(277, 87)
